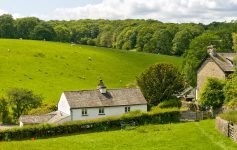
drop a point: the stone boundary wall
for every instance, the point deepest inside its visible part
(227, 128)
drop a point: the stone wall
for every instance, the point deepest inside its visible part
(227, 128)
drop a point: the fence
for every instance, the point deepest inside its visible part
(189, 115)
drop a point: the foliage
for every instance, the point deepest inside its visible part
(22, 100)
(160, 82)
(7, 26)
(230, 88)
(48, 130)
(4, 111)
(62, 33)
(212, 94)
(24, 26)
(174, 102)
(197, 53)
(234, 36)
(43, 31)
(161, 41)
(43, 109)
(230, 116)
(181, 42)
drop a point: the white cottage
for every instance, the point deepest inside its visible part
(90, 104)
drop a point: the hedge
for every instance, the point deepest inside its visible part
(102, 124)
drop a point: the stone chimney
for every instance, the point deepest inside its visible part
(211, 50)
(101, 86)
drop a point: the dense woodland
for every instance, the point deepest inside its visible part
(188, 39)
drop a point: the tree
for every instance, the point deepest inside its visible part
(24, 26)
(197, 53)
(43, 31)
(144, 35)
(181, 42)
(4, 111)
(22, 100)
(160, 82)
(62, 33)
(162, 42)
(6, 26)
(212, 94)
(105, 39)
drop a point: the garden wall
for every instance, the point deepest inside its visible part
(227, 128)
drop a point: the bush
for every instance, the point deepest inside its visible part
(43, 109)
(170, 103)
(48, 130)
(212, 94)
(230, 116)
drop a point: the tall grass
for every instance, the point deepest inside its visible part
(230, 116)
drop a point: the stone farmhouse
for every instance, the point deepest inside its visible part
(91, 104)
(218, 65)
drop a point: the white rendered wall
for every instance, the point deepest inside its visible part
(109, 111)
(63, 105)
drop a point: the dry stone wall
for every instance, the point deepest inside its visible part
(227, 128)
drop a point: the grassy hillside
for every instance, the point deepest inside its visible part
(48, 68)
(193, 135)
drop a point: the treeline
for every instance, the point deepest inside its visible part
(143, 35)
(187, 39)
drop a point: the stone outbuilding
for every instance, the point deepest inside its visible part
(218, 65)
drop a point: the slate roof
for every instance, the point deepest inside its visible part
(36, 119)
(113, 97)
(52, 117)
(224, 61)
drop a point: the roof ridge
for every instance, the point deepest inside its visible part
(97, 89)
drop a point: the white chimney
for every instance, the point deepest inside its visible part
(101, 86)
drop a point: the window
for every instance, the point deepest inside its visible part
(84, 112)
(101, 111)
(127, 109)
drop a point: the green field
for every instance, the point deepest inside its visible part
(48, 68)
(193, 135)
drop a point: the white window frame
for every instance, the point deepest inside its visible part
(127, 109)
(84, 112)
(101, 111)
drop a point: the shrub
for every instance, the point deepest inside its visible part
(230, 90)
(212, 94)
(48, 130)
(170, 103)
(43, 109)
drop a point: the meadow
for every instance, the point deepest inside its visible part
(191, 135)
(49, 68)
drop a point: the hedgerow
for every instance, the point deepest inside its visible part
(102, 124)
